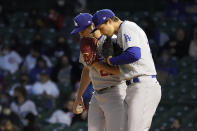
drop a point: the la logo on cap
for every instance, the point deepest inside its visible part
(75, 23)
(89, 22)
(104, 18)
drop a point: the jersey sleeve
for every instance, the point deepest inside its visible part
(129, 38)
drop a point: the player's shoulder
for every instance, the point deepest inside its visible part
(128, 25)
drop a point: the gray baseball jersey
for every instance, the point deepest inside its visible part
(101, 79)
(107, 109)
(144, 96)
(131, 35)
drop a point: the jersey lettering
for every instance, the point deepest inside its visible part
(103, 73)
(127, 37)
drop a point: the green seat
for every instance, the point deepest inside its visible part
(11, 79)
(179, 111)
(6, 32)
(190, 118)
(158, 119)
(2, 25)
(64, 88)
(158, 123)
(18, 20)
(185, 88)
(26, 35)
(79, 126)
(171, 97)
(161, 109)
(190, 98)
(156, 19)
(65, 92)
(55, 127)
(48, 36)
(165, 118)
(123, 15)
(154, 48)
(141, 14)
(185, 63)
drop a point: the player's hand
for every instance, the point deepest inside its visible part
(78, 101)
(96, 65)
(99, 66)
(108, 62)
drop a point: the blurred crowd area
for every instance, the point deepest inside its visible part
(40, 72)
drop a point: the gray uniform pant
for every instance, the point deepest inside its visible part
(107, 110)
(142, 100)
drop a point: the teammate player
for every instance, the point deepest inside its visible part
(106, 109)
(136, 65)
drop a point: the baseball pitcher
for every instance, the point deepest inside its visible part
(136, 66)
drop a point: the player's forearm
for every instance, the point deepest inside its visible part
(109, 69)
(84, 82)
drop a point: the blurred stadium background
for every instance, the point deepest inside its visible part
(39, 69)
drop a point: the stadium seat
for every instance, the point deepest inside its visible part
(56, 127)
(48, 36)
(79, 126)
(190, 118)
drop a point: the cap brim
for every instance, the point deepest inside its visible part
(77, 30)
(94, 30)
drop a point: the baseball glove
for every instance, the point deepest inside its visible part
(117, 49)
(88, 48)
(110, 48)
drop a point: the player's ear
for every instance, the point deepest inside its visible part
(92, 26)
(109, 21)
(97, 34)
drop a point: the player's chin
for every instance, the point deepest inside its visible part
(108, 35)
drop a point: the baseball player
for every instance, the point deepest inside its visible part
(136, 66)
(107, 106)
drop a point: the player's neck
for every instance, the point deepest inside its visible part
(117, 26)
(88, 35)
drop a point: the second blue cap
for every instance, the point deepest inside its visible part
(82, 21)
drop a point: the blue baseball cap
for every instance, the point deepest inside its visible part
(101, 16)
(82, 21)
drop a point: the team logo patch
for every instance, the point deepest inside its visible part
(75, 23)
(127, 37)
(89, 22)
(104, 18)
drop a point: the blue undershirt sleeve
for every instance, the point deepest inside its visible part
(132, 54)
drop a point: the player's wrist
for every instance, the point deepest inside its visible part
(95, 64)
(108, 60)
(79, 97)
